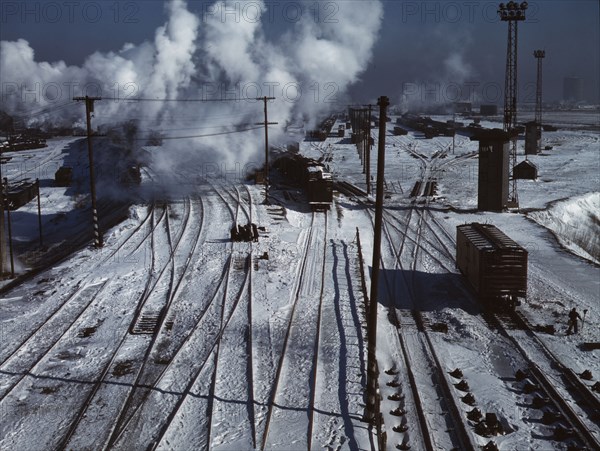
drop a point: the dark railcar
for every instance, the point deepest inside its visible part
(494, 264)
(22, 142)
(400, 131)
(319, 187)
(21, 194)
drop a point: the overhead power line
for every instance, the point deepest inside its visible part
(45, 110)
(145, 99)
(230, 132)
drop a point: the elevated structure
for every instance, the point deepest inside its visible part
(512, 12)
(532, 138)
(493, 177)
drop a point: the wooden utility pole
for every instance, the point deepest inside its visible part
(372, 371)
(453, 130)
(39, 202)
(2, 237)
(368, 156)
(266, 123)
(89, 109)
(10, 244)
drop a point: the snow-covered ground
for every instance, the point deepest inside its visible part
(575, 223)
(262, 345)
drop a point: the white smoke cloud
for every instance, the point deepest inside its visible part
(449, 74)
(175, 45)
(306, 68)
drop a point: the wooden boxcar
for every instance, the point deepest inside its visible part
(494, 264)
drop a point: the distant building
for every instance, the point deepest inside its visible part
(462, 107)
(488, 110)
(572, 89)
(525, 170)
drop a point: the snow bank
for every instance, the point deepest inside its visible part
(575, 223)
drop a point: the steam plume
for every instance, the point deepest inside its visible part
(193, 56)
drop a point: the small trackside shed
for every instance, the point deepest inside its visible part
(494, 264)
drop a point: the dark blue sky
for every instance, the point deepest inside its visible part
(461, 44)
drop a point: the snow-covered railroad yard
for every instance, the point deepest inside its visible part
(174, 337)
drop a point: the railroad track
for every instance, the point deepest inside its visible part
(419, 348)
(62, 324)
(21, 362)
(179, 377)
(420, 344)
(142, 337)
(580, 412)
(236, 342)
(296, 380)
(151, 370)
(209, 354)
(577, 406)
(149, 217)
(203, 342)
(574, 400)
(58, 324)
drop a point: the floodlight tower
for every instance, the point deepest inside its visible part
(512, 12)
(539, 55)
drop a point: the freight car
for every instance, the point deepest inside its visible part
(426, 125)
(494, 264)
(23, 142)
(310, 175)
(21, 194)
(322, 131)
(319, 186)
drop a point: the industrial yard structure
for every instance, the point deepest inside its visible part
(493, 176)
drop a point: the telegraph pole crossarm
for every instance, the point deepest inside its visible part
(89, 109)
(266, 123)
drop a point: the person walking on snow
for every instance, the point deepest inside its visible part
(573, 315)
